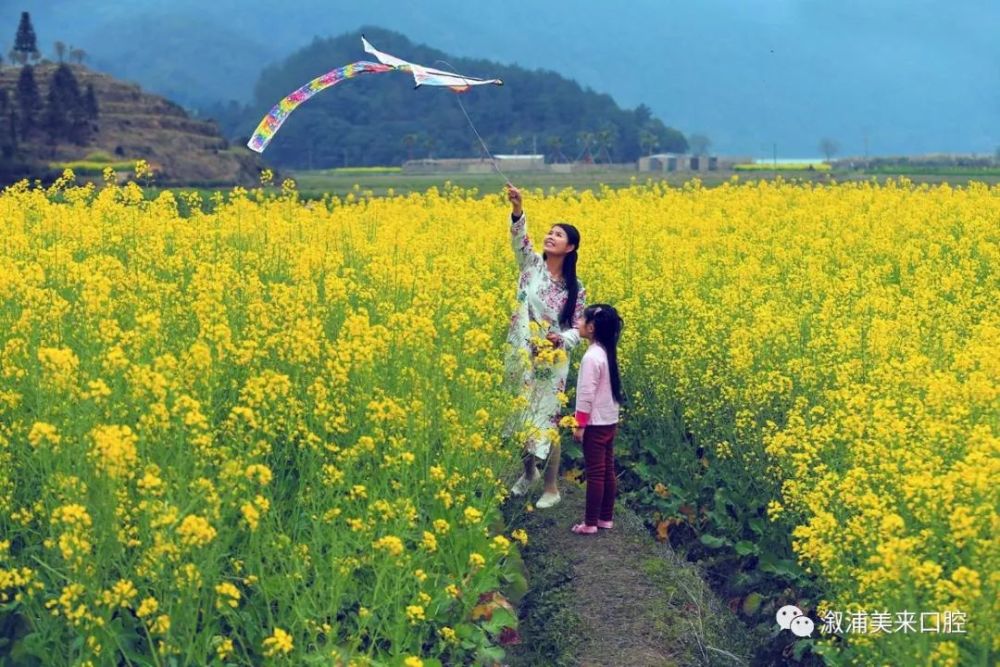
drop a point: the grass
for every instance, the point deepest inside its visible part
(313, 184)
(380, 182)
(92, 167)
(616, 598)
(917, 170)
(366, 170)
(341, 183)
(782, 166)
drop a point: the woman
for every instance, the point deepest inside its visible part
(550, 296)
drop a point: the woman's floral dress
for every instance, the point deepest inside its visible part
(536, 374)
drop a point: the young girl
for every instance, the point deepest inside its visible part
(598, 395)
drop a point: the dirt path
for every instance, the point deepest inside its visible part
(617, 598)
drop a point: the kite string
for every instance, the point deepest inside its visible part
(473, 125)
(483, 143)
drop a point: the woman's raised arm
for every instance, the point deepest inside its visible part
(523, 251)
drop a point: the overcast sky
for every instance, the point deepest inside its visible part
(911, 77)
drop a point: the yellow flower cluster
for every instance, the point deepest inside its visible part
(832, 350)
(332, 366)
(390, 544)
(195, 531)
(228, 595)
(279, 643)
(114, 450)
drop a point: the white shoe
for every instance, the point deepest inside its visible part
(548, 500)
(522, 484)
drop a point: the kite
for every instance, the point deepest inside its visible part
(422, 76)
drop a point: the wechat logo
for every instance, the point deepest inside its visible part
(791, 618)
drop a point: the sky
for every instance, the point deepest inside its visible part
(885, 77)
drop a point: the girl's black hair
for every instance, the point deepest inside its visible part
(569, 274)
(608, 326)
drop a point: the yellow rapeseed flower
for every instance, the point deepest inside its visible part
(195, 531)
(279, 643)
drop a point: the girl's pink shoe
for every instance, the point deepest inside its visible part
(605, 524)
(584, 529)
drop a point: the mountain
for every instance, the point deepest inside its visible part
(382, 119)
(894, 76)
(132, 125)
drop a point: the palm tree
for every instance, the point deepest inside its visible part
(409, 140)
(428, 142)
(554, 143)
(586, 140)
(648, 141)
(605, 141)
(477, 149)
(515, 142)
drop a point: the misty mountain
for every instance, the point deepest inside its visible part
(754, 75)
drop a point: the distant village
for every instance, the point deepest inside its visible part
(693, 164)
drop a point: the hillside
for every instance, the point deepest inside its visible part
(383, 120)
(753, 76)
(134, 125)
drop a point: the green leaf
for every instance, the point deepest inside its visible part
(714, 541)
(465, 630)
(722, 497)
(745, 548)
(757, 525)
(491, 654)
(751, 604)
(800, 647)
(779, 566)
(501, 619)
(516, 588)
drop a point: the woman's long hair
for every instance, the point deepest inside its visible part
(608, 326)
(569, 275)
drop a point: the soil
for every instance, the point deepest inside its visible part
(615, 598)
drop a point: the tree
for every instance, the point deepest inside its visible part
(515, 142)
(66, 115)
(829, 148)
(699, 144)
(8, 136)
(476, 148)
(25, 43)
(605, 140)
(410, 140)
(60, 50)
(647, 141)
(29, 100)
(586, 140)
(429, 142)
(77, 55)
(668, 139)
(555, 143)
(90, 102)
